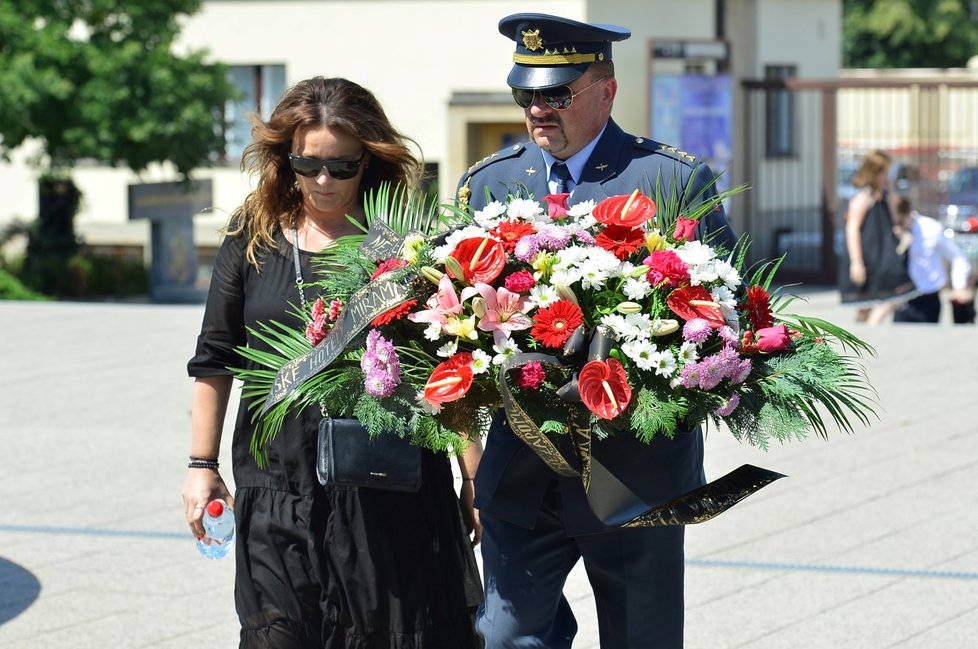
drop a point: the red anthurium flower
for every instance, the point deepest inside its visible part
(510, 232)
(628, 211)
(685, 229)
(695, 302)
(450, 380)
(556, 205)
(772, 339)
(604, 388)
(481, 258)
(620, 241)
(758, 307)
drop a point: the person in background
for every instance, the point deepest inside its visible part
(873, 274)
(318, 567)
(536, 525)
(931, 255)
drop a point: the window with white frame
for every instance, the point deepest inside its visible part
(260, 87)
(780, 113)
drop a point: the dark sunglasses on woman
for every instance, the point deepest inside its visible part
(558, 97)
(312, 167)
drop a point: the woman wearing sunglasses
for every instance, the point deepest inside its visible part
(318, 567)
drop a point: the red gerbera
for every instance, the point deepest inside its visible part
(510, 232)
(758, 307)
(620, 241)
(396, 313)
(553, 325)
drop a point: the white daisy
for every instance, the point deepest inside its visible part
(594, 274)
(506, 348)
(490, 215)
(522, 208)
(433, 331)
(642, 352)
(448, 349)
(635, 288)
(480, 361)
(543, 295)
(688, 353)
(664, 362)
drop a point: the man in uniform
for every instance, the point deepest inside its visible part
(536, 525)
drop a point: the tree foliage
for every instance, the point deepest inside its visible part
(99, 79)
(909, 33)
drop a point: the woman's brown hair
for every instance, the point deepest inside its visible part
(335, 103)
(868, 174)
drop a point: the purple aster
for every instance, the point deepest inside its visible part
(696, 330)
(689, 376)
(379, 385)
(585, 237)
(727, 361)
(729, 336)
(381, 365)
(726, 409)
(740, 374)
(711, 373)
(527, 248)
(551, 237)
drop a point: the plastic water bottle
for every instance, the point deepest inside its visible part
(218, 529)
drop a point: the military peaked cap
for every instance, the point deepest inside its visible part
(553, 51)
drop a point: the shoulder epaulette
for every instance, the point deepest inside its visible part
(498, 156)
(665, 149)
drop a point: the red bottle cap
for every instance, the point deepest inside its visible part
(215, 508)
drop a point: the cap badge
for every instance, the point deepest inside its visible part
(532, 40)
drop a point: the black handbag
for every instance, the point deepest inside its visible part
(346, 456)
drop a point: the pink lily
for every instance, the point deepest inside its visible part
(502, 311)
(442, 304)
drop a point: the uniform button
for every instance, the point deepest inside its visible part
(639, 140)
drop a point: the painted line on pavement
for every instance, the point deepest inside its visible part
(95, 531)
(853, 570)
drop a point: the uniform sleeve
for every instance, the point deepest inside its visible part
(223, 328)
(715, 223)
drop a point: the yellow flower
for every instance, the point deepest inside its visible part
(412, 245)
(655, 241)
(542, 264)
(462, 327)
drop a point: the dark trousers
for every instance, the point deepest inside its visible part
(636, 576)
(924, 308)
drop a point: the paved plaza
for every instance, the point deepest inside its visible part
(870, 543)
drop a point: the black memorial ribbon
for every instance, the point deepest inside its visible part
(610, 499)
(377, 297)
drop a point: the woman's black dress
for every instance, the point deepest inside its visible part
(336, 568)
(887, 277)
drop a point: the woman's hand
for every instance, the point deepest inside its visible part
(857, 273)
(201, 487)
(470, 515)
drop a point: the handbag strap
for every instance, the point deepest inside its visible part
(302, 296)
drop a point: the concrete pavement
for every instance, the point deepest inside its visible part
(872, 542)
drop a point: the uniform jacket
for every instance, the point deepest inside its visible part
(512, 480)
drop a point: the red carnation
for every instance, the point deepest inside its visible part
(510, 232)
(758, 307)
(519, 282)
(387, 266)
(620, 240)
(396, 313)
(553, 325)
(666, 266)
(531, 375)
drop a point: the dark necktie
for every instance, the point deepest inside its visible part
(560, 174)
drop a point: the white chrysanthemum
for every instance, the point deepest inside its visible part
(688, 352)
(480, 361)
(664, 363)
(594, 274)
(635, 288)
(447, 350)
(602, 256)
(640, 324)
(695, 253)
(724, 297)
(582, 210)
(565, 277)
(727, 274)
(506, 348)
(490, 215)
(616, 323)
(642, 352)
(433, 331)
(522, 208)
(704, 273)
(625, 269)
(569, 257)
(543, 295)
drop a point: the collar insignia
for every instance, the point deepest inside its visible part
(601, 167)
(530, 171)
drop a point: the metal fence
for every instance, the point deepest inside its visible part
(803, 141)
